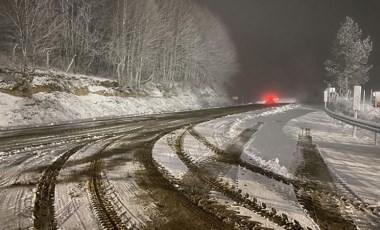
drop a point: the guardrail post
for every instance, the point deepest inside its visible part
(376, 138)
(354, 131)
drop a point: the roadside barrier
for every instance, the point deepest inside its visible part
(355, 122)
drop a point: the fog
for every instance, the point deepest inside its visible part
(282, 45)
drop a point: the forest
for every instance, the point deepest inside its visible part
(134, 41)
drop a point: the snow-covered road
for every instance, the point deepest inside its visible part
(268, 139)
(200, 170)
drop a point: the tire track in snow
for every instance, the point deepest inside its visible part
(104, 209)
(186, 198)
(313, 195)
(323, 203)
(224, 157)
(233, 193)
(44, 202)
(209, 204)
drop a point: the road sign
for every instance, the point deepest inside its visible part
(357, 97)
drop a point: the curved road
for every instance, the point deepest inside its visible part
(102, 174)
(33, 157)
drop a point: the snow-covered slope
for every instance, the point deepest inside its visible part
(81, 97)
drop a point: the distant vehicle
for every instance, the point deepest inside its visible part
(270, 98)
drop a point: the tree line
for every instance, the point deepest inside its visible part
(135, 41)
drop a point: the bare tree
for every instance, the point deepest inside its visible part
(134, 41)
(83, 32)
(196, 49)
(168, 42)
(31, 27)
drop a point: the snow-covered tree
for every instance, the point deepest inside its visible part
(349, 63)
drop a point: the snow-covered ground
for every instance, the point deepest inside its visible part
(270, 148)
(72, 204)
(224, 131)
(269, 191)
(167, 158)
(266, 138)
(58, 106)
(19, 175)
(80, 97)
(355, 161)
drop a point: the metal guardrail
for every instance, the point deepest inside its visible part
(368, 125)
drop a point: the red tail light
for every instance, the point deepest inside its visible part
(270, 98)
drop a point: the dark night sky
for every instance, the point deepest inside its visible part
(282, 44)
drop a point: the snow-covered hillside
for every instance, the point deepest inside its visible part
(73, 97)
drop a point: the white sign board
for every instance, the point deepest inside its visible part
(325, 96)
(357, 96)
(332, 90)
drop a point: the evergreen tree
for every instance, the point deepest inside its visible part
(349, 63)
